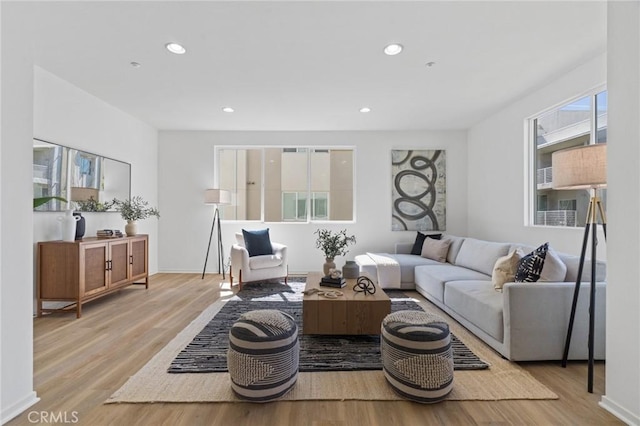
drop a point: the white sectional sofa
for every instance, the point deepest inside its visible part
(524, 322)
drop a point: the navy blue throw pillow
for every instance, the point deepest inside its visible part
(417, 245)
(257, 242)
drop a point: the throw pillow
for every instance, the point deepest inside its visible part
(435, 249)
(504, 271)
(257, 242)
(554, 268)
(530, 266)
(417, 245)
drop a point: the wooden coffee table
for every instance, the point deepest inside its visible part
(353, 313)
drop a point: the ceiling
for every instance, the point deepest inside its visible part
(310, 65)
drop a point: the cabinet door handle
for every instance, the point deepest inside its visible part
(130, 259)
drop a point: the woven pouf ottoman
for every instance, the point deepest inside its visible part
(263, 355)
(417, 357)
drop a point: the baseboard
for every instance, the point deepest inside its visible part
(19, 407)
(619, 411)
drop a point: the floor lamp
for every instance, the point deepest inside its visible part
(584, 167)
(216, 197)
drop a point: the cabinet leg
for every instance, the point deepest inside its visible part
(78, 309)
(39, 314)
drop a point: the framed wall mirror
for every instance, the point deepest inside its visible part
(89, 182)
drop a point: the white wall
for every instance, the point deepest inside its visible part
(16, 278)
(623, 292)
(497, 162)
(67, 115)
(497, 182)
(186, 162)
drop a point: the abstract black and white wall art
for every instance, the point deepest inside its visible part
(418, 190)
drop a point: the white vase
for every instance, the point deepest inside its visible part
(131, 228)
(68, 225)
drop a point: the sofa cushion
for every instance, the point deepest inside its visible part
(265, 261)
(554, 269)
(435, 249)
(504, 271)
(257, 242)
(480, 255)
(573, 262)
(479, 303)
(454, 248)
(530, 265)
(431, 278)
(420, 237)
(408, 263)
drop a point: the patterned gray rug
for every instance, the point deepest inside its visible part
(207, 353)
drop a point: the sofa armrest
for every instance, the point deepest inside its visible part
(239, 257)
(404, 248)
(536, 318)
(280, 250)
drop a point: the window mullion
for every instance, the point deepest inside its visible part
(593, 131)
(308, 198)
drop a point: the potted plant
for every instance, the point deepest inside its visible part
(134, 209)
(332, 245)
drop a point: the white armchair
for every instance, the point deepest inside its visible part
(257, 268)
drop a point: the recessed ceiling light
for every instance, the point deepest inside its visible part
(393, 49)
(365, 109)
(175, 48)
(135, 64)
(228, 109)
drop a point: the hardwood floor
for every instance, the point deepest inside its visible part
(79, 363)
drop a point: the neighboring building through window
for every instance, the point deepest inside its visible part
(287, 184)
(579, 122)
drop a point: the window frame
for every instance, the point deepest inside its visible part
(308, 149)
(530, 150)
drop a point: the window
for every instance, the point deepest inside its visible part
(294, 206)
(320, 206)
(287, 184)
(582, 121)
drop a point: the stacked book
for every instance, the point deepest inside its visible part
(109, 233)
(327, 281)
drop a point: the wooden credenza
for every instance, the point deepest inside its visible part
(90, 268)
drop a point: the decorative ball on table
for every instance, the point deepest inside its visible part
(335, 273)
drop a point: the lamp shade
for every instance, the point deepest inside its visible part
(83, 194)
(583, 167)
(217, 196)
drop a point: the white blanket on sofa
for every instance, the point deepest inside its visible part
(388, 270)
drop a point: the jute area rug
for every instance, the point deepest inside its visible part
(502, 381)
